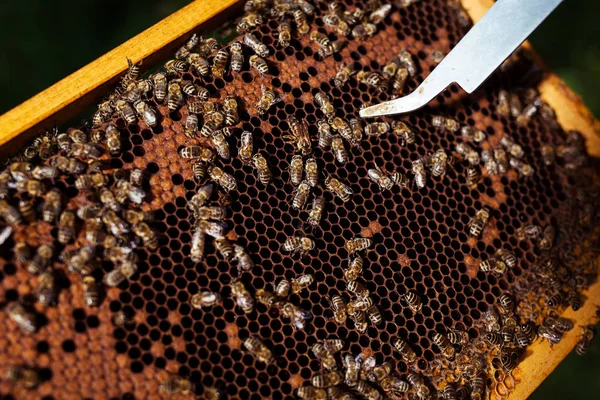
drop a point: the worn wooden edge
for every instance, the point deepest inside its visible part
(572, 114)
(68, 97)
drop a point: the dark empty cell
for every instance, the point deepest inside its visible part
(93, 321)
(68, 346)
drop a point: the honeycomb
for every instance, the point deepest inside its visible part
(420, 237)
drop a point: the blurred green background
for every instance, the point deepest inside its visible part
(44, 41)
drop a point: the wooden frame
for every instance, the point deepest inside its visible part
(71, 95)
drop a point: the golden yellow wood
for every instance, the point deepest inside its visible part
(71, 95)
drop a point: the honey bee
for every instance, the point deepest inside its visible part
(212, 122)
(69, 165)
(259, 64)
(391, 68)
(344, 72)
(358, 244)
(22, 252)
(444, 345)
(200, 197)
(237, 56)
(301, 282)
(328, 379)
(525, 336)
(418, 169)
(314, 217)
(406, 59)
(91, 291)
(214, 213)
(298, 136)
(66, 227)
(145, 112)
(338, 188)
(354, 270)
(359, 318)
(298, 244)
(478, 222)
(176, 385)
(374, 315)
(477, 386)
(243, 259)
(359, 290)
(211, 228)
(33, 187)
(402, 130)
(205, 299)
(174, 96)
(473, 175)
(25, 319)
(174, 66)
(10, 214)
(407, 353)
(267, 100)
(84, 150)
(323, 41)
(364, 30)
(503, 105)
(198, 63)
(97, 136)
(245, 148)
(266, 297)
(114, 224)
(548, 154)
(243, 298)
(312, 172)
(148, 235)
(458, 337)
(378, 15)
(26, 208)
(377, 128)
(339, 150)
(221, 145)
(585, 342)
(41, 259)
(256, 45)
(367, 391)
(528, 232)
(352, 367)
(44, 172)
(373, 79)
(338, 306)
(470, 133)
(89, 181)
(522, 167)
(23, 375)
(311, 393)
(296, 168)
(528, 112)
(222, 178)
(296, 315)
(513, 148)
(20, 171)
(262, 167)
(336, 22)
(284, 30)
(47, 290)
(386, 180)
(282, 289)
(549, 334)
(324, 104)
(220, 62)
(413, 300)
(230, 105)
(257, 348)
(126, 112)
(445, 123)
(121, 319)
(301, 24)
(248, 22)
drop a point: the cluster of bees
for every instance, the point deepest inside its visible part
(110, 224)
(345, 375)
(361, 305)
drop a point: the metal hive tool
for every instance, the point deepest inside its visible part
(420, 236)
